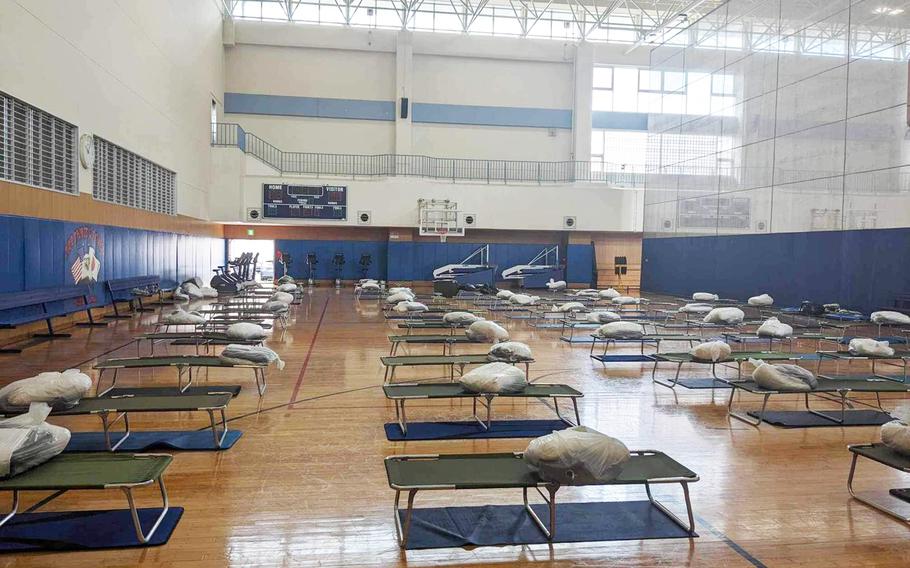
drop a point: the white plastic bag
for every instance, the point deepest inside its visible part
(625, 301)
(782, 377)
(289, 287)
(193, 291)
(27, 441)
(896, 435)
(696, 309)
(370, 286)
(285, 279)
(486, 331)
(460, 318)
(495, 377)
(603, 317)
(283, 297)
(523, 299)
(556, 285)
(511, 352)
(711, 351)
(208, 292)
(866, 346)
(249, 284)
(245, 330)
(179, 296)
(620, 330)
(58, 390)
(726, 316)
(504, 294)
(246, 354)
(761, 300)
(588, 293)
(182, 317)
(400, 289)
(773, 327)
(397, 297)
(404, 307)
(276, 306)
(571, 307)
(608, 294)
(577, 456)
(886, 317)
(705, 297)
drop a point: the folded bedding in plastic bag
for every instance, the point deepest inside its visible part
(495, 377)
(865, 346)
(58, 390)
(246, 354)
(402, 296)
(570, 307)
(285, 279)
(782, 377)
(761, 300)
(193, 291)
(892, 318)
(511, 352)
(208, 292)
(504, 294)
(180, 296)
(408, 306)
(588, 293)
(896, 435)
(725, 316)
(282, 297)
(713, 351)
(620, 330)
(27, 441)
(249, 284)
(289, 287)
(625, 301)
(773, 327)
(705, 297)
(488, 331)
(245, 330)
(397, 289)
(460, 318)
(577, 456)
(182, 317)
(523, 299)
(556, 284)
(696, 309)
(370, 286)
(276, 306)
(608, 294)
(603, 317)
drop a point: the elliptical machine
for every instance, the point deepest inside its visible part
(285, 261)
(365, 261)
(227, 278)
(338, 267)
(311, 262)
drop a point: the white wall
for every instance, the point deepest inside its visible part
(140, 74)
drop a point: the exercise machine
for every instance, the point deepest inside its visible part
(365, 261)
(285, 260)
(228, 277)
(311, 262)
(338, 267)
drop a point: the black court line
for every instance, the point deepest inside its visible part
(731, 543)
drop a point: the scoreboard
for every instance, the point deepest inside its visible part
(284, 201)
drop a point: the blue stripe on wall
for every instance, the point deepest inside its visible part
(863, 269)
(491, 115)
(619, 120)
(247, 103)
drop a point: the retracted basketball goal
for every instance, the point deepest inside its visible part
(439, 218)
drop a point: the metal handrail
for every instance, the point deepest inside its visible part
(388, 165)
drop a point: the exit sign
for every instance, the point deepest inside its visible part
(251, 232)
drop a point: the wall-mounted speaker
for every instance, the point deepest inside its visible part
(469, 219)
(253, 214)
(569, 222)
(760, 225)
(364, 217)
(667, 224)
(404, 107)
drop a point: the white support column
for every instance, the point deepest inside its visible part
(581, 109)
(404, 56)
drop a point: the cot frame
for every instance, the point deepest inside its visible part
(182, 369)
(877, 505)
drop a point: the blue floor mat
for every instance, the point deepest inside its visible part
(472, 430)
(145, 441)
(623, 358)
(83, 530)
(803, 419)
(492, 525)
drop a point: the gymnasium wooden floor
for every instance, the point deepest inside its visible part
(305, 485)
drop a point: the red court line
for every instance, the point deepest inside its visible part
(306, 361)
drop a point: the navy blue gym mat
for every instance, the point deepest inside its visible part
(492, 525)
(623, 358)
(698, 384)
(83, 530)
(472, 430)
(803, 419)
(143, 441)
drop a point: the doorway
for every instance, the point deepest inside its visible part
(265, 262)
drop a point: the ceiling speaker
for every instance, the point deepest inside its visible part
(253, 214)
(569, 222)
(364, 217)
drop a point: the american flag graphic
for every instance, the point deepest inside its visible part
(84, 267)
(76, 270)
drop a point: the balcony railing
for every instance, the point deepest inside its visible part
(387, 165)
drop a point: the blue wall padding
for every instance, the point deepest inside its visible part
(33, 254)
(580, 264)
(863, 269)
(325, 252)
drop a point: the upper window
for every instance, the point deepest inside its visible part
(125, 178)
(37, 148)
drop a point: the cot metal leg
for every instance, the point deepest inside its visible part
(549, 532)
(13, 509)
(402, 531)
(401, 416)
(134, 513)
(670, 385)
(563, 418)
(216, 437)
(843, 409)
(874, 504)
(180, 371)
(99, 392)
(744, 417)
(690, 528)
(488, 403)
(259, 375)
(107, 423)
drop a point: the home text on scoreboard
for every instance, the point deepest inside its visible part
(285, 201)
